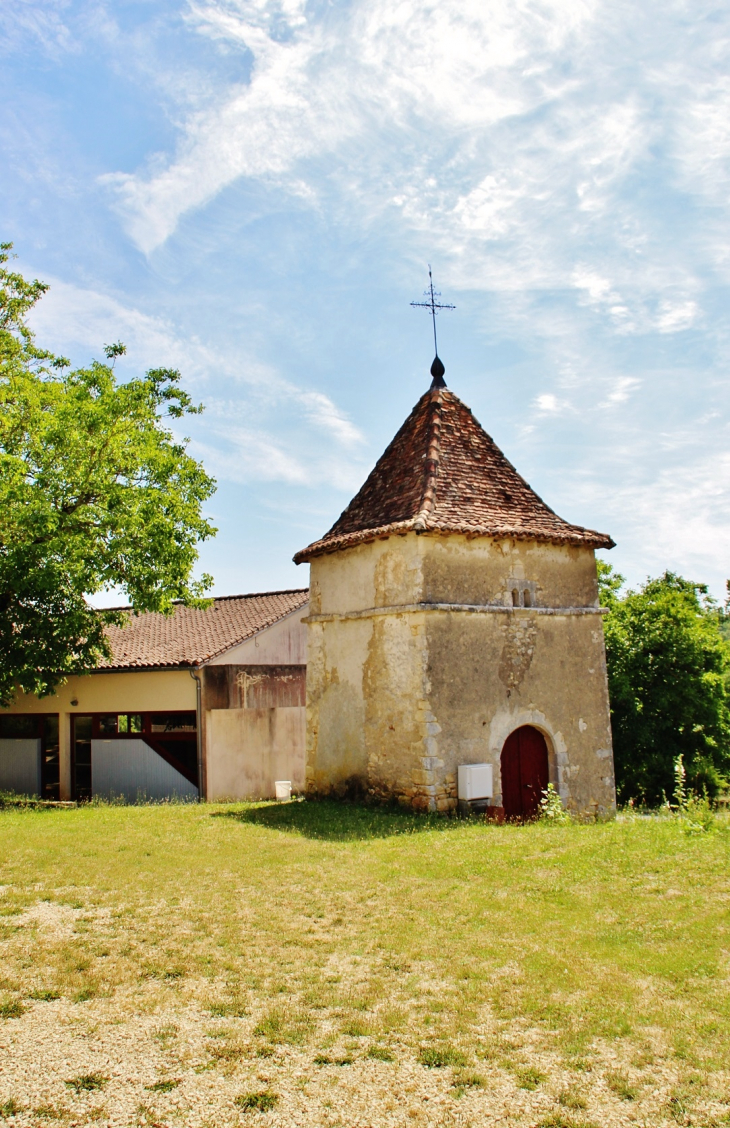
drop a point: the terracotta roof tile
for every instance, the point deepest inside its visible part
(443, 473)
(190, 636)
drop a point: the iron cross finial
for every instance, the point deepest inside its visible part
(437, 368)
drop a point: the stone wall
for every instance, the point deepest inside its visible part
(425, 652)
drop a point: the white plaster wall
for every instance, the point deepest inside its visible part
(282, 644)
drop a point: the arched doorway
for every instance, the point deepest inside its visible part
(524, 772)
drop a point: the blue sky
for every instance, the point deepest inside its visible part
(250, 190)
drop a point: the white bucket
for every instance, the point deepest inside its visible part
(283, 790)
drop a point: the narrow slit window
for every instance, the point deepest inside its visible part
(526, 595)
(515, 597)
(173, 722)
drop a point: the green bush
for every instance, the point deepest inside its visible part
(552, 810)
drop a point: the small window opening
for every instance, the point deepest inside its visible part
(515, 597)
(173, 722)
(129, 723)
(526, 597)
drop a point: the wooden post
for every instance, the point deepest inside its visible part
(64, 756)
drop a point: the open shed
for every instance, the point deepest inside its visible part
(200, 704)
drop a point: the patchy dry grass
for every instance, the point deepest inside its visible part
(311, 964)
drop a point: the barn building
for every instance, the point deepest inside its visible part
(453, 620)
(201, 704)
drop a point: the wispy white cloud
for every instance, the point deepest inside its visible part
(369, 74)
(247, 456)
(324, 414)
(549, 404)
(243, 455)
(673, 317)
(680, 519)
(507, 134)
(81, 321)
(267, 429)
(44, 23)
(621, 391)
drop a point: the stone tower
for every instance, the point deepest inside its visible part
(454, 619)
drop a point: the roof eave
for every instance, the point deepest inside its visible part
(573, 535)
(146, 668)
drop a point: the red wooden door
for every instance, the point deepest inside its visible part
(524, 772)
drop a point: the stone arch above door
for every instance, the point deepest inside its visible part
(506, 721)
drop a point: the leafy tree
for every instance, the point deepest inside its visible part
(669, 683)
(95, 492)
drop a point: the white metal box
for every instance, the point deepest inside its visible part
(475, 781)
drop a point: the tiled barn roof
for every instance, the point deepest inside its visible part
(443, 473)
(190, 637)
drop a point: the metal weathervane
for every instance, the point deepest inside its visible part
(437, 368)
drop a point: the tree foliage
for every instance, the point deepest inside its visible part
(95, 493)
(669, 683)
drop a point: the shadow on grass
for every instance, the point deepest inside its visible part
(338, 822)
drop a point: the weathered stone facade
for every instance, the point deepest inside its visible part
(419, 661)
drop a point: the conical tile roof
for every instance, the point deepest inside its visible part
(443, 473)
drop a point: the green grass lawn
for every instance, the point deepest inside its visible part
(326, 965)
